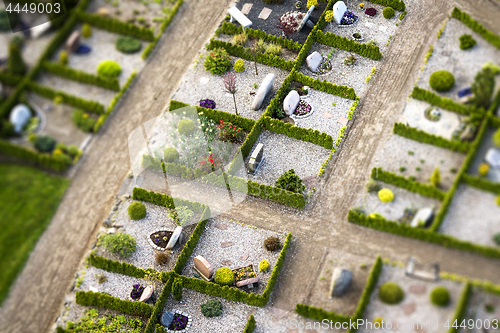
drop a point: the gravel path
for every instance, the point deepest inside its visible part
(282, 153)
(478, 311)
(477, 225)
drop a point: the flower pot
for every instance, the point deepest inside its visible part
(357, 37)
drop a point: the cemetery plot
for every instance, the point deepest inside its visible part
(31, 48)
(282, 153)
(473, 217)
(487, 160)
(253, 91)
(483, 309)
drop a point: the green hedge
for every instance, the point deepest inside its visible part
(134, 308)
(461, 308)
(421, 234)
(81, 76)
(241, 52)
(233, 29)
(443, 102)
(164, 200)
(45, 161)
(342, 91)
(250, 326)
(116, 266)
(424, 137)
(396, 4)
(116, 26)
(427, 190)
(365, 50)
(77, 102)
(10, 79)
(481, 183)
(296, 200)
(299, 133)
(160, 304)
(319, 314)
(476, 26)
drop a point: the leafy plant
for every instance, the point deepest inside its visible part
(229, 132)
(290, 182)
(240, 39)
(350, 60)
(15, 62)
(86, 30)
(186, 127)
(442, 81)
(224, 277)
(273, 49)
(161, 258)
(496, 138)
(272, 243)
(264, 266)
(372, 186)
(45, 143)
(483, 170)
(212, 308)
(109, 68)
(467, 42)
(329, 16)
(239, 65)
(312, 3)
(385, 195)
(128, 45)
(181, 214)
(388, 12)
(482, 88)
(436, 177)
(83, 120)
(496, 239)
(391, 293)
(137, 211)
(63, 57)
(440, 296)
(120, 243)
(229, 81)
(177, 289)
(217, 61)
(137, 290)
(101, 278)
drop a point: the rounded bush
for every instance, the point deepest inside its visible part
(86, 30)
(121, 244)
(466, 42)
(211, 308)
(391, 293)
(440, 296)
(217, 61)
(385, 195)
(264, 266)
(45, 143)
(442, 81)
(186, 127)
(63, 57)
(224, 276)
(372, 186)
(483, 170)
(239, 66)
(109, 68)
(128, 45)
(329, 16)
(388, 12)
(170, 155)
(312, 3)
(137, 211)
(272, 243)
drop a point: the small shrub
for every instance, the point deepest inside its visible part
(497, 200)
(101, 278)
(264, 266)
(239, 65)
(386, 195)
(329, 16)
(177, 289)
(388, 12)
(312, 3)
(63, 58)
(170, 155)
(496, 238)
(442, 81)
(496, 138)
(376, 216)
(217, 61)
(350, 60)
(86, 30)
(391, 293)
(109, 68)
(372, 186)
(272, 243)
(128, 45)
(467, 42)
(290, 182)
(483, 170)
(45, 143)
(161, 258)
(371, 11)
(490, 308)
(15, 62)
(440, 296)
(224, 276)
(273, 49)
(240, 39)
(137, 211)
(436, 177)
(83, 121)
(211, 308)
(186, 127)
(121, 244)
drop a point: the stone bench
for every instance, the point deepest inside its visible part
(239, 16)
(432, 274)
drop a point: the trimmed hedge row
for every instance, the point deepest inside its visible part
(461, 309)
(10, 79)
(45, 161)
(77, 102)
(299, 133)
(443, 102)
(134, 308)
(426, 190)
(330, 88)
(116, 26)
(396, 4)
(164, 200)
(365, 50)
(250, 326)
(424, 137)
(401, 229)
(476, 26)
(160, 304)
(115, 266)
(319, 314)
(81, 76)
(233, 29)
(481, 183)
(288, 198)
(241, 52)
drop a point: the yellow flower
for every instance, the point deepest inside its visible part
(362, 5)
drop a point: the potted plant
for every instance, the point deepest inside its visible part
(357, 36)
(298, 5)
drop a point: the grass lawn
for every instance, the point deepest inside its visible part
(28, 200)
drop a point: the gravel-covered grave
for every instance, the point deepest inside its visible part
(156, 218)
(198, 84)
(228, 243)
(463, 64)
(416, 306)
(408, 158)
(32, 49)
(483, 308)
(395, 210)
(282, 153)
(493, 173)
(473, 216)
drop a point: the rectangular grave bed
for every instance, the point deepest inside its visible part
(244, 276)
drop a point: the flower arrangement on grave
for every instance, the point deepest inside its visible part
(137, 290)
(348, 18)
(303, 108)
(350, 60)
(371, 11)
(229, 132)
(362, 5)
(179, 322)
(244, 273)
(298, 4)
(289, 22)
(207, 103)
(211, 163)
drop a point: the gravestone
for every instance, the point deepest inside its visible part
(73, 42)
(166, 318)
(493, 157)
(314, 60)
(175, 236)
(256, 158)
(341, 280)
(19, 117)
(424, 215)
(146, 294)
(306, 18)
(290, 103)
(339, 10)
(203, 267)
(264, 89)
(248, 282)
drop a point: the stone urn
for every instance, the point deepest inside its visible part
(357, 36)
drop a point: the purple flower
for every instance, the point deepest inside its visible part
(207, 103)
(178, 323)
(303, 108)
(348, 18)
(137, 290)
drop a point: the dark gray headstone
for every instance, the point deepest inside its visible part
(166, 318)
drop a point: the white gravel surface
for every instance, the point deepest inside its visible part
(282, 153)
(477, 311)
(473, 216)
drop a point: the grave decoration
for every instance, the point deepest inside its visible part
(264, 89)
(338, 11)
(306, 20)
(245, 276)
(371, 11)
(493, 157)
(159, 239)
(432, 113)
(256, 159)
(303, 109)
(203, 268)
(19, 117)
(73, 42)
(349, 18)
(423, 217)
(176, 236)
(176, 320)
(147, 293)
(207, 103)
(137, 290)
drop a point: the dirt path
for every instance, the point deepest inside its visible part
(36, 296)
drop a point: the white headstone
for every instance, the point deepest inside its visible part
(424, 216)
(493, 157)
(19, 117)
(314, 60)
(174, 238)
(339, 10)
(264, 89)
(290, 103)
